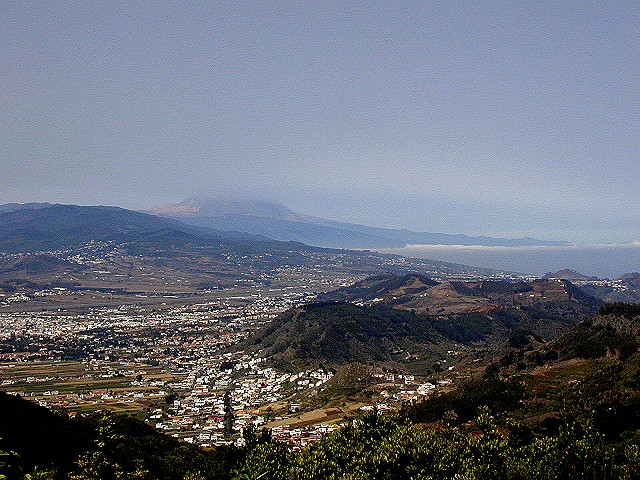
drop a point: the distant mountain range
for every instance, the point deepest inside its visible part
(276, 221)
(44, 227)
(35, 227)
(51, 245)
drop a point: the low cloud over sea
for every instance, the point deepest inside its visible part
(601, 260)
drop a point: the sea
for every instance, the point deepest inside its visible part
(599, 260)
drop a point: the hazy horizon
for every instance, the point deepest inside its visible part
(599, 260)
(486, 118)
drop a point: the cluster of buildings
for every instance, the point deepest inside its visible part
(229, 389)
(173, 365)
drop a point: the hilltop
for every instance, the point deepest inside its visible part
(340, 333)
(568, 274)
(404, 321)
(542, 305)
(381, 287)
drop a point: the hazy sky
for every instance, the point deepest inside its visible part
(499, 118)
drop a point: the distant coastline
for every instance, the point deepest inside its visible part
(600, 260)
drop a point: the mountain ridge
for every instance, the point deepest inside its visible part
(52, 226)
(277, 221)
(403, 321)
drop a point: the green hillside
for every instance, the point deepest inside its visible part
(590, 374)
(405, 322)
(339, 333)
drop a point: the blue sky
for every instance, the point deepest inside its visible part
(497, 118)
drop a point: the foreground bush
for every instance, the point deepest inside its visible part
(387, 448)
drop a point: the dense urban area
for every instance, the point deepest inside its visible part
(169, 365)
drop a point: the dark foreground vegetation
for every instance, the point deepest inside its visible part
(569, 409)
(390, 447)
(374, 446)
